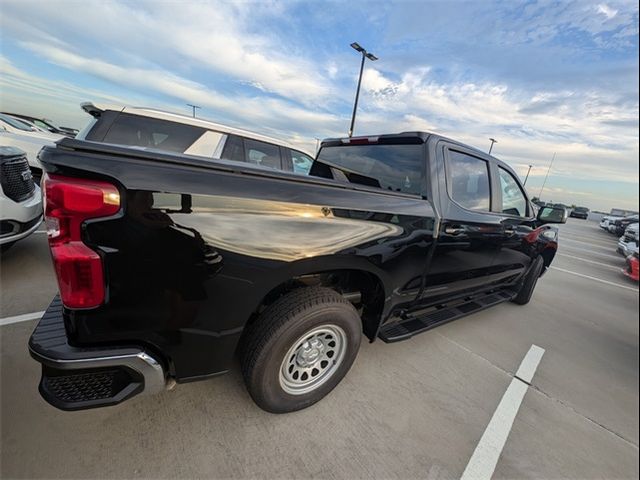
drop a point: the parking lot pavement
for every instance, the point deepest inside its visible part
(412, 409)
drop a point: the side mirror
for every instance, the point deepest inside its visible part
(552, 215)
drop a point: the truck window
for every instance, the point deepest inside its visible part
(393, 167)
(145, 132)
(469, 181)
(513, 200)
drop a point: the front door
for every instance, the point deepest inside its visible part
(469, 232)
(516, 216)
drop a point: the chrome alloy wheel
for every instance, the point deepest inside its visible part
(313, 359)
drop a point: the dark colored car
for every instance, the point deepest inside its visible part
(47, 125)
(169, 265)
(621, 224)
(580, 212)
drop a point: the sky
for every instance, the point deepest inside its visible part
(541, 77)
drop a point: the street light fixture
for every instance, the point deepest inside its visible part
(493, 140)
(194, 108)
(356, 46)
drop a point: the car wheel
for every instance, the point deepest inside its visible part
(299, 349)
(529, 284)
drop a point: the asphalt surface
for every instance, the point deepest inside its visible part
(414, 409)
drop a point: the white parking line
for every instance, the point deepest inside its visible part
(485, 457)
(592, 252)
(604, 246)
(20, 318)
(613, 267)
(619, 285)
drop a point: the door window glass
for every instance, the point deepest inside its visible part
(262, 153)
(301, 162)
(233, 149)
(469, 181)
(513, 200)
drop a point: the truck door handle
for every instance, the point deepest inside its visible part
(455, 230)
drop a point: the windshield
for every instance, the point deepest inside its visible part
(581, 209)
(392, 167)
(15, 123)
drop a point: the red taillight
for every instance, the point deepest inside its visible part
(68, 203)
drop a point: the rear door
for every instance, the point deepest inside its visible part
(469, 233)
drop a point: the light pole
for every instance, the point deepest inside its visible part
(194, 108)
(371, 57)
(547, 175)
(493, 140)
(525, 178)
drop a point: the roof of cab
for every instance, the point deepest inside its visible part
(95, 109)
(405, 137)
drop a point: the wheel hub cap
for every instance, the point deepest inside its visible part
(310, 353)
(312, 359)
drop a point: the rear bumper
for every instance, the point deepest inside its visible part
(77, 378)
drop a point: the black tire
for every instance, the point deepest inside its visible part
(281, 327)
(529, 284)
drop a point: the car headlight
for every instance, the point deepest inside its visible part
(550, 235)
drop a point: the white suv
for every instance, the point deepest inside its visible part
(20, 198)
(149, 129)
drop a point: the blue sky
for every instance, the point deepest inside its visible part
(539, 76)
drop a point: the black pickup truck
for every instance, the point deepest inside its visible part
(169, 265)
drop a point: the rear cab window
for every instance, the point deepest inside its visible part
(393, 167)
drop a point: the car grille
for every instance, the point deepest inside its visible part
(629, 237)
(16, 179)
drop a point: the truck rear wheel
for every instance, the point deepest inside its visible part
(299, 349)
(529, 284)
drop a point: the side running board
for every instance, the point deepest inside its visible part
(412, 324)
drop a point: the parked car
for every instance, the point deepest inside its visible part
(619, 225)
(580, 212)
(26, 123)
(156, 130)
(167, 263)
(632, 267)
(628, 243)
(15, 133)
(20, 198)
(46, 125)
(616, 214)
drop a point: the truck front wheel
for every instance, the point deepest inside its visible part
(299, 349)
(529, 284)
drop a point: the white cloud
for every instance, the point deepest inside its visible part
(607, 11)
(230, 59)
